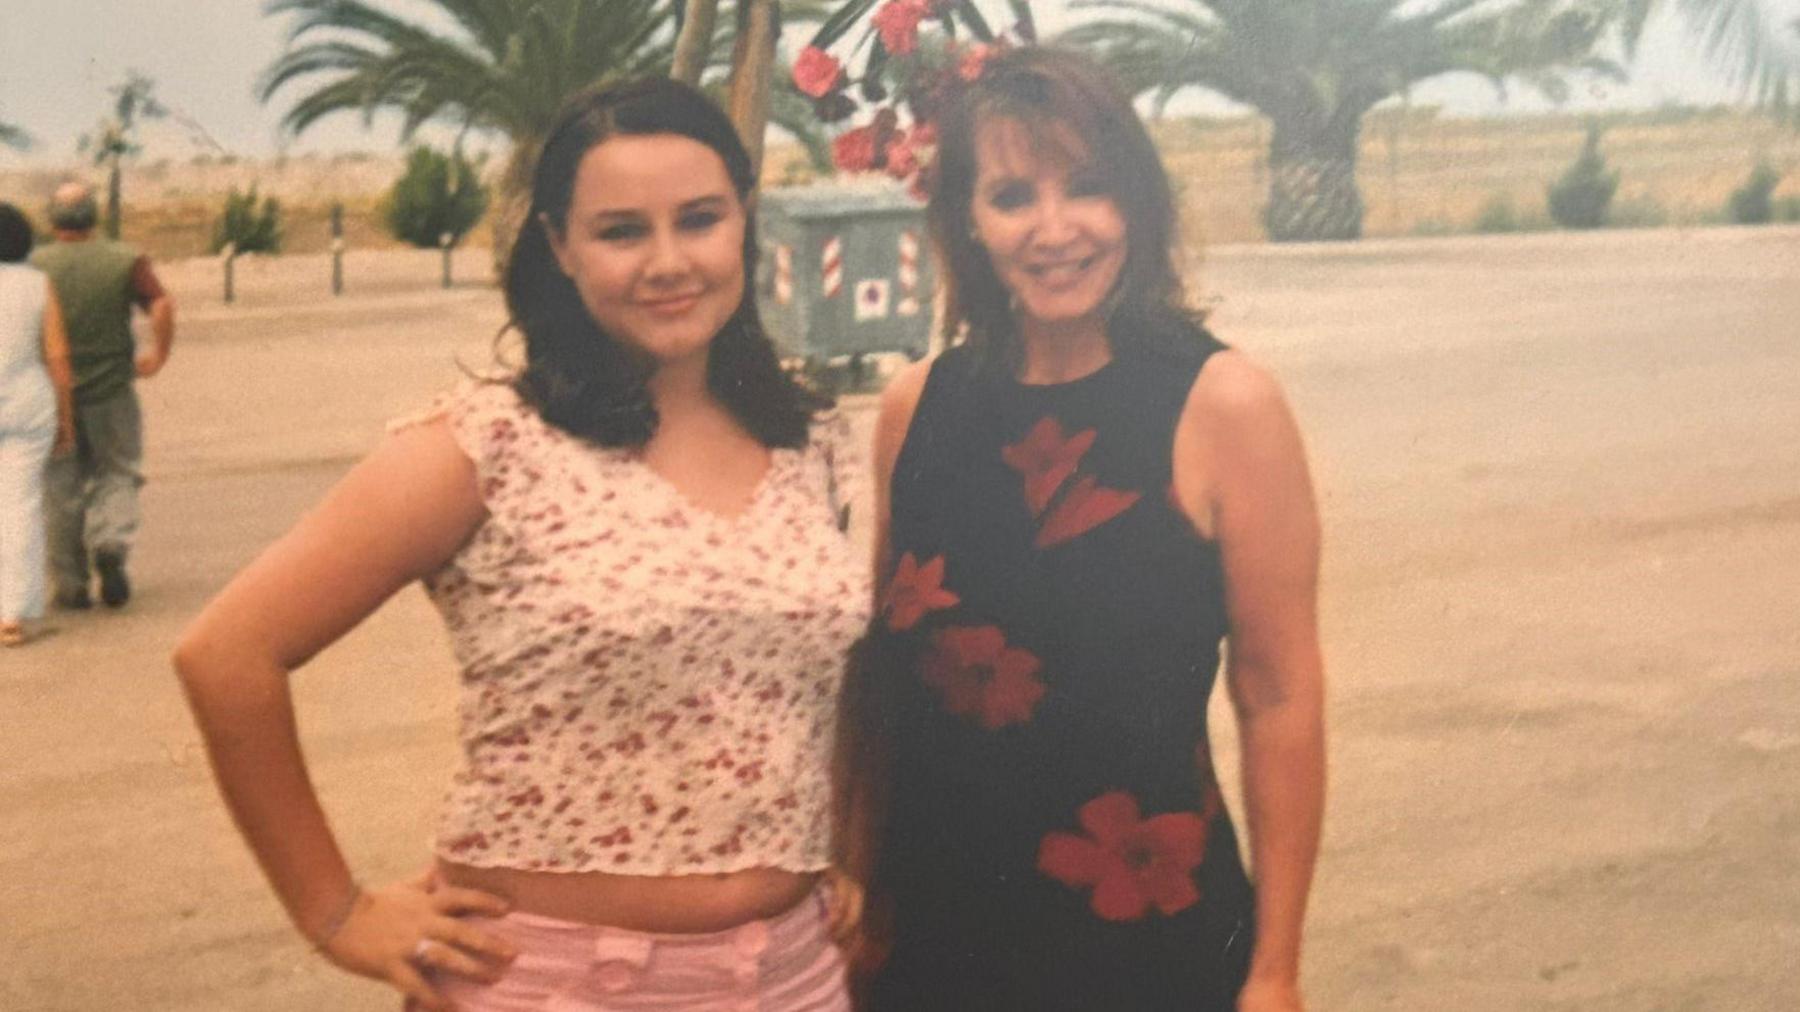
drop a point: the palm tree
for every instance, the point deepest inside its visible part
(1314, 67)
(506, 66)
(115, 138)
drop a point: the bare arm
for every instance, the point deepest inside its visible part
(62, 374)
(398, 515)
(1241, 475)
(160, 305)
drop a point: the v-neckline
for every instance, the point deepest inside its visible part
(683, 500)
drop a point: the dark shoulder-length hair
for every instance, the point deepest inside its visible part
(15, 234)
(581, 378)
(1071, 111)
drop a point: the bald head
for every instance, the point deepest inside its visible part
(72, 207)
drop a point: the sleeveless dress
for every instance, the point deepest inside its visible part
(1055, 838)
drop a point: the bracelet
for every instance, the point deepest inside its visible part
(339, 917)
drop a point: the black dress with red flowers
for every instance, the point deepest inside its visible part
(1055, 838)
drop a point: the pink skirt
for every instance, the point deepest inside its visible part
(784, 964)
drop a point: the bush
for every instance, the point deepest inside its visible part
(437, 194)
(1497, 215)
(1752, 203)
(1580, 198)
(249, 228)
(1787, 208)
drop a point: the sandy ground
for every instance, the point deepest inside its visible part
(1562, 500)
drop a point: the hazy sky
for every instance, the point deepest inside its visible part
(59, 57)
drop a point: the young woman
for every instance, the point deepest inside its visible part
(636, 546)
(36, 419)
(1079, 502)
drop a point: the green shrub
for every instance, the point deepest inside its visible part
(249, 228)
(437, 194)
(1497, 215)
(1787, 208)
(1753, 203)
(1580, 198)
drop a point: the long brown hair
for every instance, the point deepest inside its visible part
(1071, 111)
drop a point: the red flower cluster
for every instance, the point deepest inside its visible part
(898, 23)
(983, 678)
(1131, 863)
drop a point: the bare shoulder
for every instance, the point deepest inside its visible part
(1234, 394)
(901, 397)
(898, 402)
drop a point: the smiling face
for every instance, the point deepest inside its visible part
(654, 243)
(1055, 236)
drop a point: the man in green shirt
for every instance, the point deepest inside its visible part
(92, 493)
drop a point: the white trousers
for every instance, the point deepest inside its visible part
(22, 459)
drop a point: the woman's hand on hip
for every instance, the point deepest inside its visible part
(400, 932)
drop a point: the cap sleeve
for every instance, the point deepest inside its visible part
(491, 425)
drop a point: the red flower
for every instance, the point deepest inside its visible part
(1046, 458)
(816, 72)
(854, 150)
(915, 590)
(902, 156)
(1131, 863)
(1086, 507)
(981, 677)
(898, 23)
(974, 61)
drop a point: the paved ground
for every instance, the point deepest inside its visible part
(1562, 499)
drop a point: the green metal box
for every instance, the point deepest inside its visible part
(845, 271)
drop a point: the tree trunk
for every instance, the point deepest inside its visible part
(112, 199)
(512, 201)
(752, 66)
(1312, 177)
(694, 43)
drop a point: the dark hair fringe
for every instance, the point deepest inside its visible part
(582, 379)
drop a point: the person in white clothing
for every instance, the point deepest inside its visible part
(36, 420)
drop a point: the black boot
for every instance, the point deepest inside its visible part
(115, 589)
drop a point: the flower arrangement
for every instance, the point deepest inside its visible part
(914, 54)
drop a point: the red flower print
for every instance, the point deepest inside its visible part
(1131, 863)
(981, 677)
(816, 72)
(915, 590)
(1086, 507)
(1046, 458)
(898, 23)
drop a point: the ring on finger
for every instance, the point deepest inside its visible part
(421, 951)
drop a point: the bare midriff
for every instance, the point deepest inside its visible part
(672, 904)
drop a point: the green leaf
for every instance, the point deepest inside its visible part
(837, 24)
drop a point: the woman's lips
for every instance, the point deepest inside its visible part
(672, 306)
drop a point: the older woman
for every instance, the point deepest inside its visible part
(1083, 500)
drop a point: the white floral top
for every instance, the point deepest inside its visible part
(648, 687)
